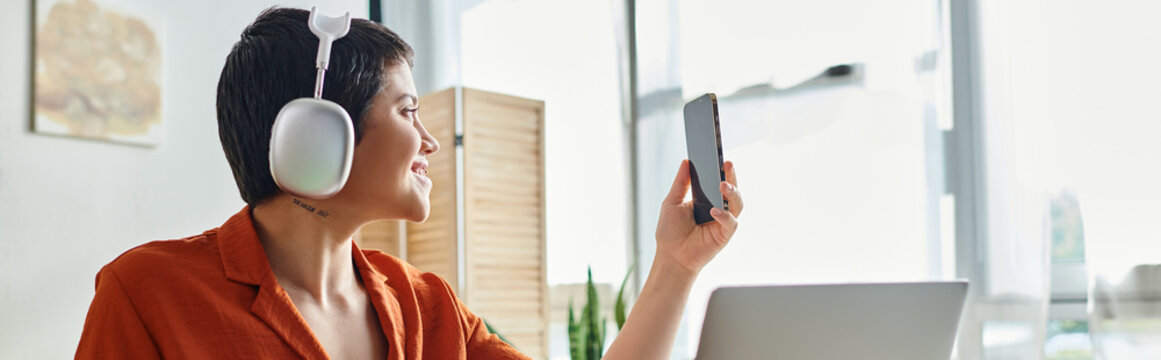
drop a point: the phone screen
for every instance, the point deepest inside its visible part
(703, 140)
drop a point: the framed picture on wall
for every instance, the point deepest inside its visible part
(97, 70)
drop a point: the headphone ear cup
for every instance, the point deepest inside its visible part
(312, 145)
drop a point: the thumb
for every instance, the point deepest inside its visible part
(680, 185)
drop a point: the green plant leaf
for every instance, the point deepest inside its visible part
(619, 306)
(594, 335)
(575, 342)
(601, 336)
(585, 330)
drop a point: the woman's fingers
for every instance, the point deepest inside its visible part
(727, 220)
(733, 196)
(731, 176)
(729, 188)
(680, 185)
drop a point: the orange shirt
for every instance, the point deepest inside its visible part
(214, 296)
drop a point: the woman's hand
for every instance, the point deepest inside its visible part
(683, 248)
(679, 238)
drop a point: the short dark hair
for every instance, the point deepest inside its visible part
(274, 63)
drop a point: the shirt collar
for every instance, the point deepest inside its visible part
(243, 257)
(364, 265)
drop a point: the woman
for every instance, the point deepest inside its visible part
(282, 278)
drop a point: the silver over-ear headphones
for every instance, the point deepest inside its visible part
(313, 140)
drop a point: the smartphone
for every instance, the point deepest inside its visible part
(703, 140)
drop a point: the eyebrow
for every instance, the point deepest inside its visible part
(414, 99)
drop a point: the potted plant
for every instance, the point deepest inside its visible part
(586, 334)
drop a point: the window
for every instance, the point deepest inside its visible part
(1071, 106)
(842, 170)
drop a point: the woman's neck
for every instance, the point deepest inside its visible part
(308, 247)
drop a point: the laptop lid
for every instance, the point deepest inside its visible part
(899, 321)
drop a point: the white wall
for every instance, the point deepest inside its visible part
(68, 206)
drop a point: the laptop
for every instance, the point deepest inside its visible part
(898, 321)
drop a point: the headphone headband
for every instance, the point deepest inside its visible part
(312, 141)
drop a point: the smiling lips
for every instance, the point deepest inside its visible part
(419, 167)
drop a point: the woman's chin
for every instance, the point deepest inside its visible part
(420, 213)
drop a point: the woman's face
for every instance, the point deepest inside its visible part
(388, 177)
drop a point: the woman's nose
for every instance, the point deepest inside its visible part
(430, 144)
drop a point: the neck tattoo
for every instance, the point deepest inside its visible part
(311, 208)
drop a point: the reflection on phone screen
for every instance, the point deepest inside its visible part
(701, 202)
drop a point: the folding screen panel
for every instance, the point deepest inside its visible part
(431, 245)
(504, 216)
